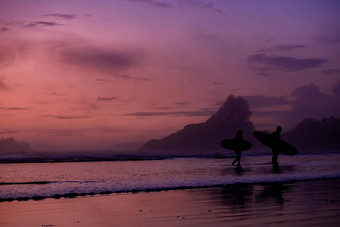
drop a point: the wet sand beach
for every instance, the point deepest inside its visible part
(304, 203)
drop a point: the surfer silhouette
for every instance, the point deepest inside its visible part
(275, 143)
(275, 137)
(238, 139)
(238, 144)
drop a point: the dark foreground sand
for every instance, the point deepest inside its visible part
(308, 203)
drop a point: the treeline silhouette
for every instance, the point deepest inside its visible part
(11, 145)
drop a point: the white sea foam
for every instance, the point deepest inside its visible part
(43, 180)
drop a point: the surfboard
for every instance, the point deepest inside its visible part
(232, 144)
(281, 145)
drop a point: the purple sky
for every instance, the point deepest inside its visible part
(86, 74)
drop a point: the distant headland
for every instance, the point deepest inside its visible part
(206, 136)
(234, 115)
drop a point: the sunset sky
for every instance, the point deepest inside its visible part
(86, 75)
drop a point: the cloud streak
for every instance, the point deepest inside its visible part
(134, 78)
(61, 16)
(98, 59)
(201, 4)
(9, 131)
(199, 113)
(262, 101)
(182, 4)
(154, 3)
(67, 132)
(284, 47)
(43, 24)
(14, 108)
(102, 80)
(66, 117)
(55, 94)
(4, 29)
(289, 47)
(288, 64)
(331, 72)
(78, 54)
(106, 99)
(181, 103)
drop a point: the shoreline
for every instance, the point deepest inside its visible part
(140, 157)
(312, 202)
(165, 189)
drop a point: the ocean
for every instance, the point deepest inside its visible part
(36, 181)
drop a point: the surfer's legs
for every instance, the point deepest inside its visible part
(274, 159)
(238, 158)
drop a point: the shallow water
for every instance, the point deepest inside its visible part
(42, 180)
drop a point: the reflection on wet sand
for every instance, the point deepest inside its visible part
(242, 196)
(288, 203)
(237, 196)
(274, 192)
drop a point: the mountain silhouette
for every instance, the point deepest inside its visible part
(314, 134)
(232, 116)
